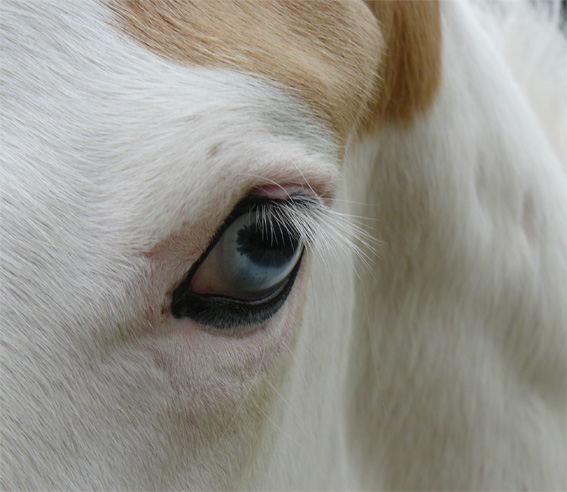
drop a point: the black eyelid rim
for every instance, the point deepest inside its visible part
(204, 308)
(245, 204)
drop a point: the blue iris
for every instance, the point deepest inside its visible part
(257, 257)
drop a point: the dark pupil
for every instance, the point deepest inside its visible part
(267, 246)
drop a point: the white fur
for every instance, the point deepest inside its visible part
(465, 309)
(443, 367)
(535, 52)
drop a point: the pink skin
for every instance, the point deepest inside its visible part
(202, 282)
(276, 192)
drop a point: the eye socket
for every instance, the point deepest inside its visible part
(246, 274)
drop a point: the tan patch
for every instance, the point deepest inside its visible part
(328, 53)
(411, 70)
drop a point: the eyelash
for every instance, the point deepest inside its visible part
(222, 312)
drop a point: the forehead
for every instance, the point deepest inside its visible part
(324, 52)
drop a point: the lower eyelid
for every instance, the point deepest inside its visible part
(224, 313)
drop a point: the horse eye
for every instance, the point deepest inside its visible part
(249, 261)
(246, 275)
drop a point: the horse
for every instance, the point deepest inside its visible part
(283, 245)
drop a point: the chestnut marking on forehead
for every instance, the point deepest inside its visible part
(351, 63)
(326, 53)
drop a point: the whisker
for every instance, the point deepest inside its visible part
(304, 178)
(372, 352)
(296, 361)
(245, 395)
(286, 434)
(303, 426)
(354, 202)
(330, 233)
